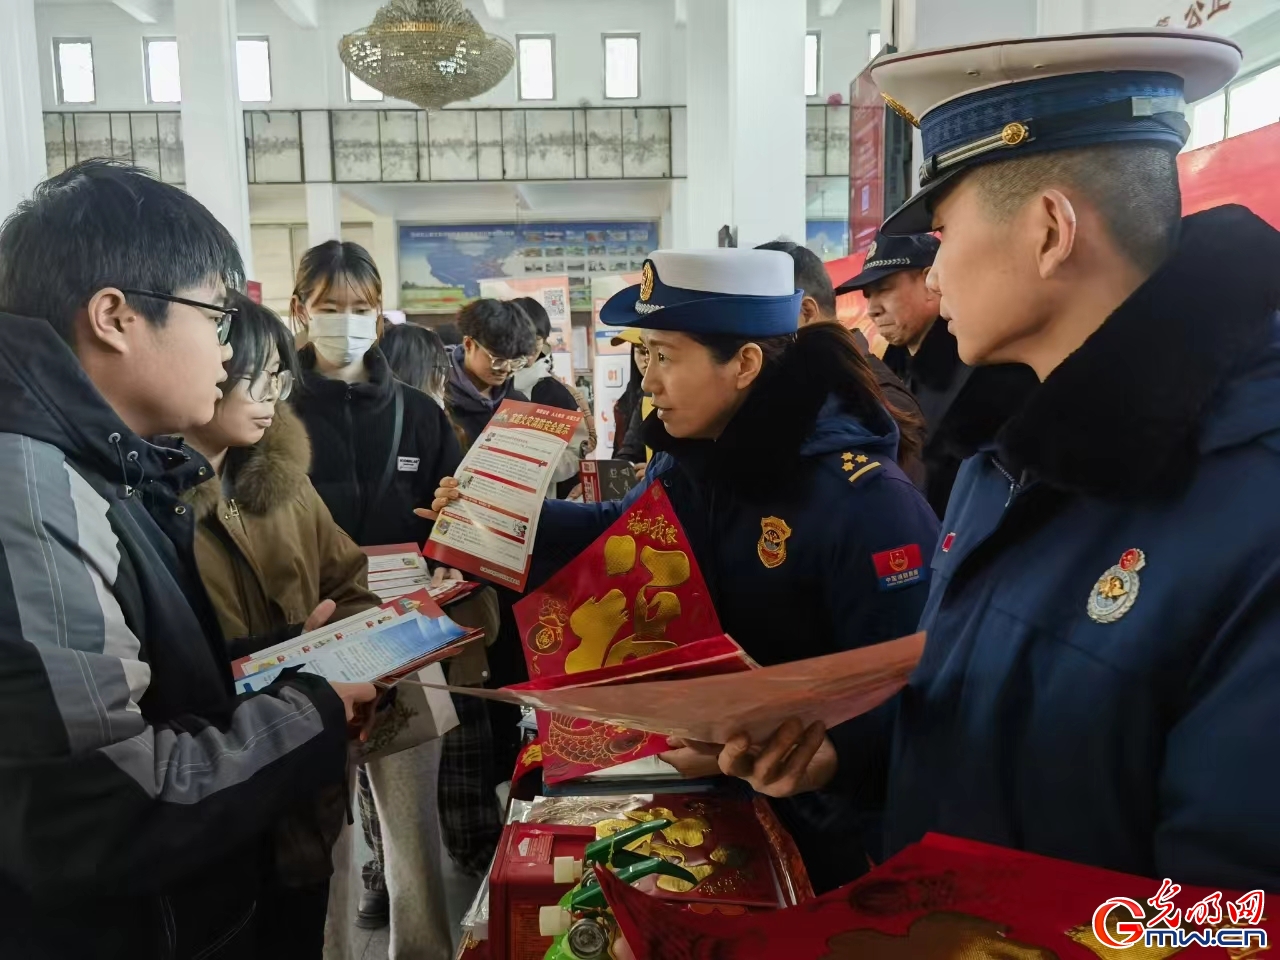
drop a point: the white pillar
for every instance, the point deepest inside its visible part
(767, 112)
(746, 123)
(22, 156)
(386, 252)
(710, 151)
(324, 213)
(212, 118)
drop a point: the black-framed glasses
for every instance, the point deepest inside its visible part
(270, 386)
(499, 365)
(223, 321)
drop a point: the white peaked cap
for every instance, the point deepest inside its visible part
(729, 271)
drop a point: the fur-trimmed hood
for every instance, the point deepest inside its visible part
(265, 475)
(1124, 415)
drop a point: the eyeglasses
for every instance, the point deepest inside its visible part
(223, 320)
(270, 386)
(501, 366)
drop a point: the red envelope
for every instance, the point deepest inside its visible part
(946, 898)
(637, 591)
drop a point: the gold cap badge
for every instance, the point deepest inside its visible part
(871, 251)
(772, 548)
(646, 282)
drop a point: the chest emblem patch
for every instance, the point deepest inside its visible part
(1117, 590)
(772, 548)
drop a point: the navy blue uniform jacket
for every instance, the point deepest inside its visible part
(1150, 744)
(795, 454)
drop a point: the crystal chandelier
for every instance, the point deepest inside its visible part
(429, 52)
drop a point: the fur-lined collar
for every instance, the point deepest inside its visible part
(265, 475)
(1121, 416)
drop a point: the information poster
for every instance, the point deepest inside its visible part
(503, 481)
(441, 266)
(611, 375)
(866, 162)
(602, 288)
(829, 239)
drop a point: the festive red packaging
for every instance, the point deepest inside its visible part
(522, 881)
(635, 592)
(945, 898)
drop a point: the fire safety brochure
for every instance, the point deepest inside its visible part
(503, 481)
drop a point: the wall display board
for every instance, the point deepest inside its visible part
(829, 239)
(602, 288)
(441, 266)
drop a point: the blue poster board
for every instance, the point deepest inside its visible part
(441, 267)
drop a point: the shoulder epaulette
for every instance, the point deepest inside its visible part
(857, 465)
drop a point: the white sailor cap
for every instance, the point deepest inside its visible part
(985, 102)
(750, 293)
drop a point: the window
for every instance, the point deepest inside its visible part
(537, 77)
(621, 66)
(358, 91)
(73, 70)
(1208, 121)
(873, 44)
(1253, 102)
(253, 70)
(163, 82)
(811, 64)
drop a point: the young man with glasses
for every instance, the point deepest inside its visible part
(497, 340)
(141, 793)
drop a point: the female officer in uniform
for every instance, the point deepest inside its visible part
(779, 455)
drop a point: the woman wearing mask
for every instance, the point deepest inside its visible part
(378, 446)
(275, 564)
(780, 457)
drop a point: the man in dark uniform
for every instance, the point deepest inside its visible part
(962, 406)
(1100, 678)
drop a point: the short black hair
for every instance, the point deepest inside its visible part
(416, 356)
(103, 223)
(254, 331)
(1133, 186)
(536, 312)
(811, 275)
(500, 327)
(334, 262)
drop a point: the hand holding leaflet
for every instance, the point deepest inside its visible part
(489, 528)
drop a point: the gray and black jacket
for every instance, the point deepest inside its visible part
(137, 791)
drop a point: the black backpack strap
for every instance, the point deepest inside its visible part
(393, 456)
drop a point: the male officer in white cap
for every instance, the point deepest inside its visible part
(1100, 679)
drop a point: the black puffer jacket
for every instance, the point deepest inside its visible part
(138, 792)
(351, 427)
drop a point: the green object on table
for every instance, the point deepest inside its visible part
(608, 849)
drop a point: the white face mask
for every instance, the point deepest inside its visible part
(342, 338)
